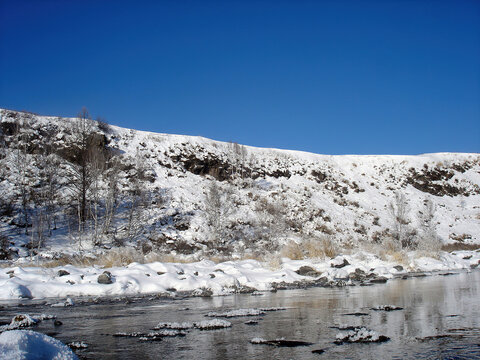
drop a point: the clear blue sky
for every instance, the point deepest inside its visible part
(332, 77)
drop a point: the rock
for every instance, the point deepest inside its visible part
(212, 275)
(57, 323)
(308, 271)
(379, 280)
(62, 273)
(318, 351)
(203, 292)
(323, 281)
(219, 270)
(243, 289)
(160, 273)
(356, 314)
(398, 267)
(341, 265)
(358, 275)
(387, 308)
(195, 273)
(360, 335)
(280, 342)
(105, 278)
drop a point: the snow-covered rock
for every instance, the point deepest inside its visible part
(31, 345)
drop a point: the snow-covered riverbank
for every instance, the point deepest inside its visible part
(205, 278)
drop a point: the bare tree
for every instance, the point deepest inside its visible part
(81, 172)
(136, 199)
(429, 239)
(401, 231)
(218, 209)
(21, 171)
(111, 197)
(97, 165)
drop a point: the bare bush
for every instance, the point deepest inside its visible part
(428, 237)
(401, 231)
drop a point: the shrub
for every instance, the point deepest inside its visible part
(292, 250)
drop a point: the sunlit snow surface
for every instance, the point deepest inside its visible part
(36, 282)
(31, 345)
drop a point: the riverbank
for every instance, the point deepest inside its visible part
(206, 278)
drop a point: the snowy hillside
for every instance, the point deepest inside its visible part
(69, 184)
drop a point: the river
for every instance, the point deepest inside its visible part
(440, 319)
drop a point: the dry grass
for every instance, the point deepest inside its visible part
(311, 248)
(399, 257)
(456, 246)
(112, 258)
(292, 250)
(75, 260)
(321, 248)
(273, 262)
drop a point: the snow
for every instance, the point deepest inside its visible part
(31, 345)
(174, 325)
(20, 321)
(347, 205)
(131, 279)
(360, 334)
(237, 313)
(258, 340)
(212, 324)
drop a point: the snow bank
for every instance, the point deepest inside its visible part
(31, 345)
(228, 277)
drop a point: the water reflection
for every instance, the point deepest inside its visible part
(427, 302)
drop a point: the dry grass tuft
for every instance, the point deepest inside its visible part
(293, 251)
(456, 246)
(273, 262)
(321, 248)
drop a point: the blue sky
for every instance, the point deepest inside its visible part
(332, 77)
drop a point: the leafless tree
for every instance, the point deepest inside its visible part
(402, 232)
(136, 199)
(112, 196)
(21, 170)
(218, 209)
(81, 170)
(429, 239)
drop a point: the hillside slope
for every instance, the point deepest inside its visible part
(191, 195)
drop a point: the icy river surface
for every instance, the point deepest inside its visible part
(440, 319)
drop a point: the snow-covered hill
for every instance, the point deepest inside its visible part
(192, 195)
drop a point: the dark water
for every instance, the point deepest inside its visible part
(440, 320)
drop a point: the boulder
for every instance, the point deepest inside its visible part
(379, 280)
(308, 271)
(340, 265)
(105, 278)
(62, 273)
